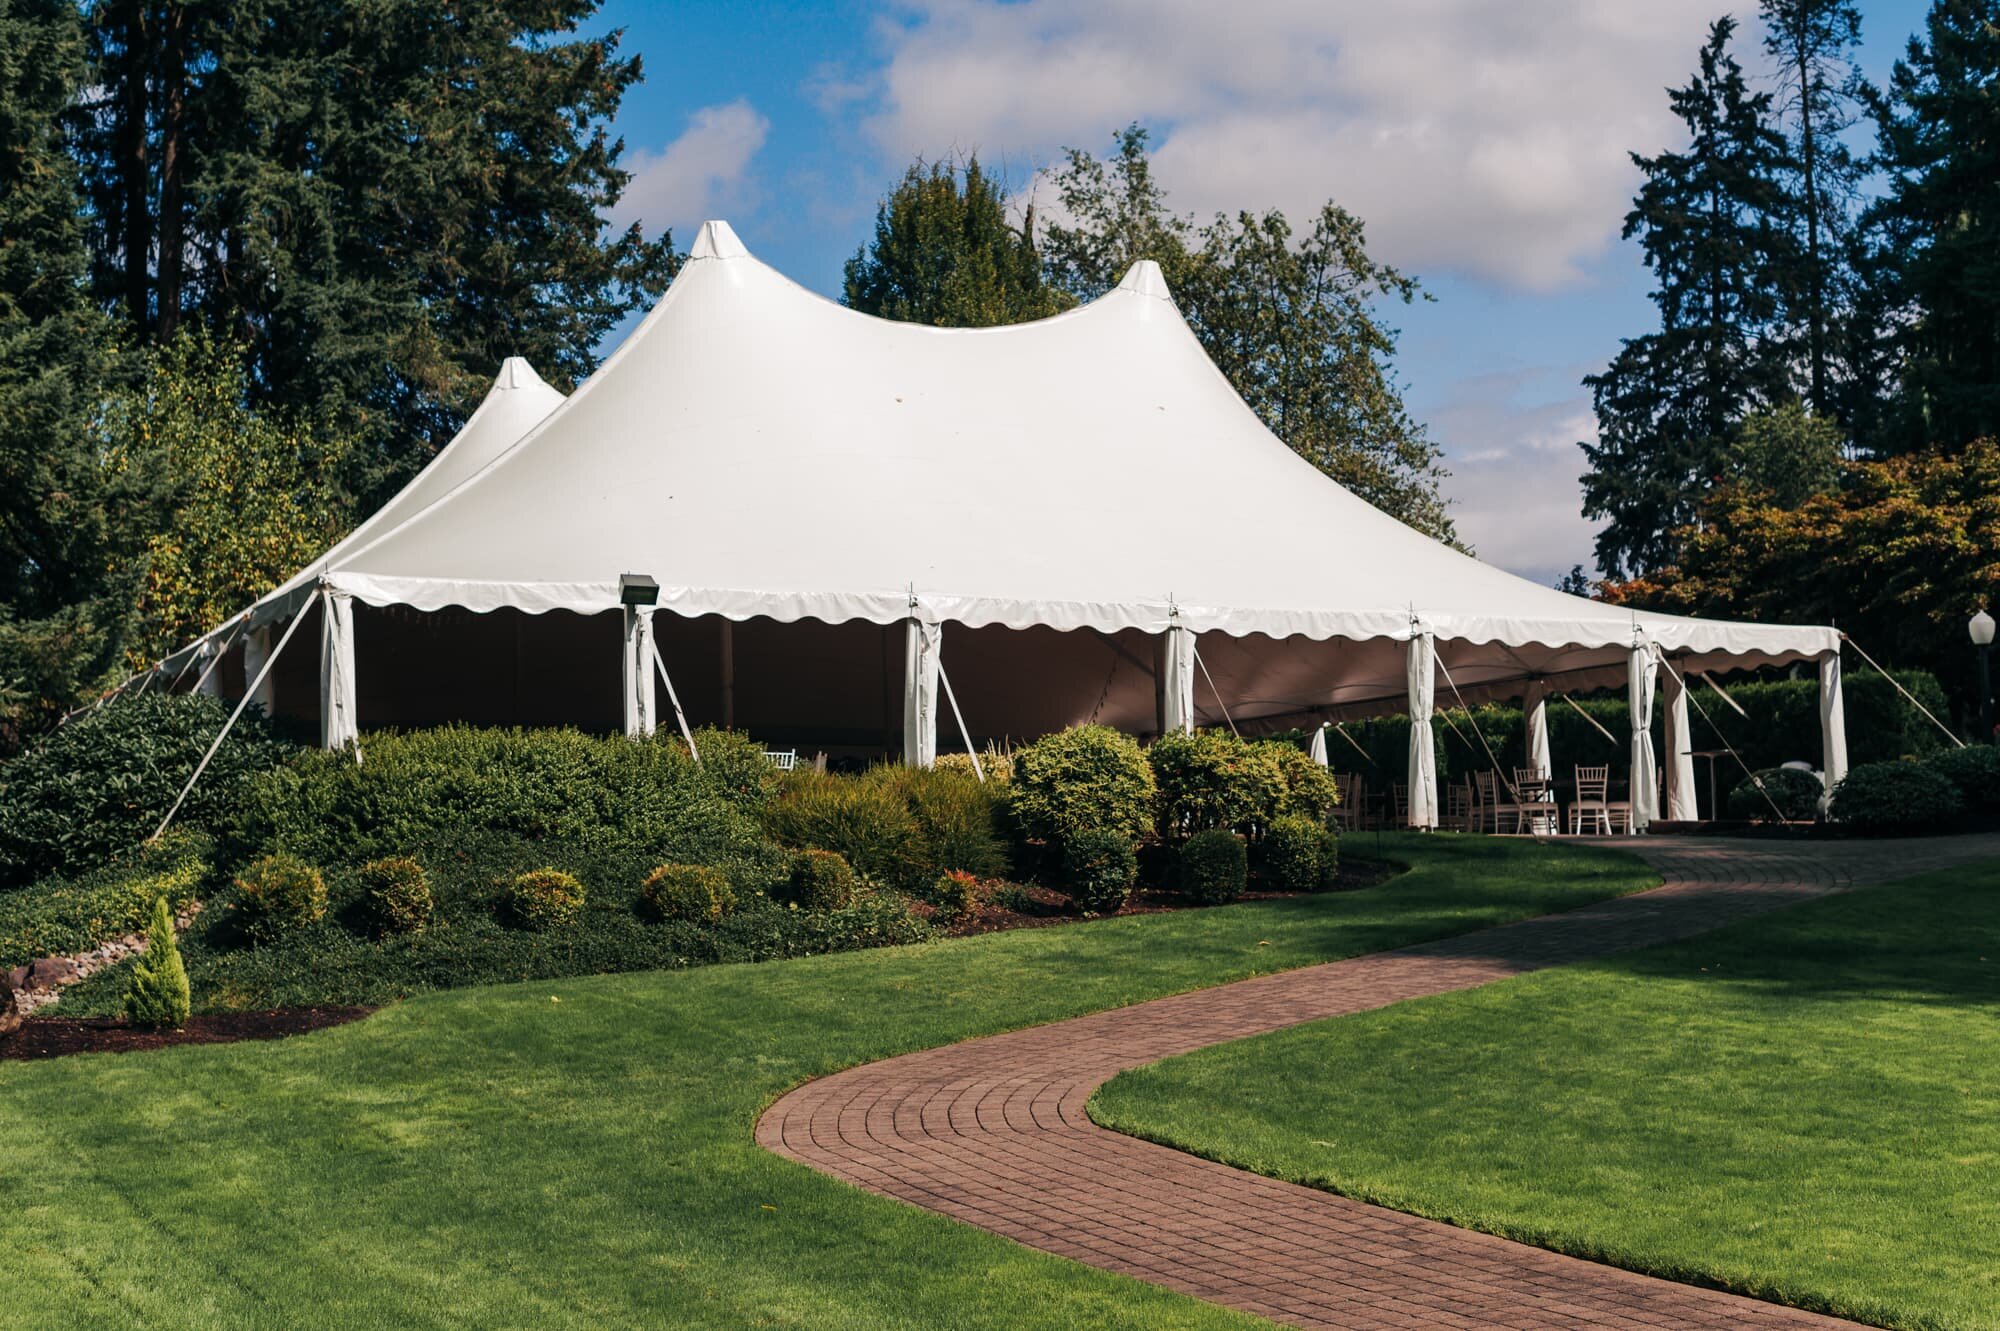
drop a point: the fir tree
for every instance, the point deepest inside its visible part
(158, 995)
(1707, 218)
(945, 254)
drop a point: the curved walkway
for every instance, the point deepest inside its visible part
(993, 1131)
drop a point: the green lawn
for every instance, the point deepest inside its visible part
(1805, 1106)
(578, 1153)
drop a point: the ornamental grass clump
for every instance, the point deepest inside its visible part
(820, 880)
(544, 899)
(1214, 867)
(159, 995)
(866, 820)
(277, 895)
(397, 895)
(692, 893)
(1098, 867)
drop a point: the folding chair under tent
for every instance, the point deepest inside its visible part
(853, 523)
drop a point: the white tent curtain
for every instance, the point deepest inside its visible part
(1177, 671)
(921, 642)
(338, 725)
(1535, 727)
(1639, 695)
(1832, 721)
(208, 675)
(256, 651)
(638, 671)
(1423, 751)
(1319, 746)
(1678, 799)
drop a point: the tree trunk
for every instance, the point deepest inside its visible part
(132, 163)
(173, 98)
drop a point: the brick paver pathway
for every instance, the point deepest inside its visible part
(993, 1131)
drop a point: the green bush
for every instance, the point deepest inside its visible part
(957, 820)
(397, 895)
(1310, 791)
(867, 820)
(544, 899)
(693, 892)
(1210, 778)
(1214, 867)
(278, 894)
(1893, 798)
(1329, 860)
(1087, 778)
(97, 788)
(998, 766)
(820, 880)
(62, 916)
(1292, 847)
(955, 892)
(1098, 866)
(1975, 771)
(1797, 795)
(158, 994)
(732, 764)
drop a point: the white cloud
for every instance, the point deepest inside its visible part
(1484, 136)
(701, 174)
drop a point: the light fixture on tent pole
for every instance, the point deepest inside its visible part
(636, 589)
(1980, 629)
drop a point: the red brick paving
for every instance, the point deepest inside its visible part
(993, 1131)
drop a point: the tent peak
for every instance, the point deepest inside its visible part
(515, 372)
(716, 240)
(1146, 278)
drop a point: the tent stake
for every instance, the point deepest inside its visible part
(249, 692)
(673, 697)
(977, 769)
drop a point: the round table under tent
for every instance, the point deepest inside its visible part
(824, 528)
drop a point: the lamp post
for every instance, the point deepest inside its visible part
(1980, 629)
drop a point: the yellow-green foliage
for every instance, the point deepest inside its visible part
(820, 880)
(866, 819)
(690, 892)
(1087, 778)
(159, 994)
(398, 895)
(544, 899)
(70, 915)
(278, 894)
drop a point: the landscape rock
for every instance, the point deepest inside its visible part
(10, 1013)
(16, 979)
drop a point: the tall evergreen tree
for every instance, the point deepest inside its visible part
(1811, 46)
(380, 200)
(61, 497)
(945, 254)
(1939, 126)
(1289, 317)
(1709, 221)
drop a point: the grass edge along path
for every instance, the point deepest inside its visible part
(580, 1152)
(1773, 1108)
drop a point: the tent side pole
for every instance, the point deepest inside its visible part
(1678, 798)
(1175, 679)
(920, 687)
(637, 672)
(1832, 724)
(728, 675)
(338, 723)
(1422, 684)
(1643, 789)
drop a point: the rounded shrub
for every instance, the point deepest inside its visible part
(819, 880)
(1796, 794)
(1310, 791)
(543, 899)
(1084, 779)
(955, 892)
(691, 892)
(1210, 778)
(1886, 799)
(278, 894)
(1214, 867)
(397, 895)
(1975, 771)
(1329, 860)
(1292, 847)
(1098, 866)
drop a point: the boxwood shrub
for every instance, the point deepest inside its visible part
(397, 894)
(1796, 794)
(1214, 867)
(544, 899)
(1975, 771)
(277, 895)
(1087, 778)
(1209, 779)
(1894, 799)
(820, 880)
(693, 892)
(1291, 850)
(1098, 866)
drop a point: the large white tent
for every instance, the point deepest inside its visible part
(1077, 516)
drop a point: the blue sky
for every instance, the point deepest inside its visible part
(1483, 141)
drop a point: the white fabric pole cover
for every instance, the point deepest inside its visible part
(1423, 750)
(256, 651)
(1832, 723)
(1177, 680)
(1319, 747)
(920, 687)
(1535, 727)
(209, 680)
(338, 724)
(1639, 695)
(1679, 797)
(638, 671)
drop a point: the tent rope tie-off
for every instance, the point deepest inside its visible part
(1755, 780)
(951, 697)
(673, 698)
(249, 692)
(1905, 692)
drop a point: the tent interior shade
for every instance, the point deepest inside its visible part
(1056, 495)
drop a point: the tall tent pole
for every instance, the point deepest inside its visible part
(920, 686)
(248, 693)
(1176, 678)
(1832, 724)
(1422, 682)
(339, 725)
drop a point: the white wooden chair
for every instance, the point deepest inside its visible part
(1347, 814)
(1498, 810)
(1535, 808)
(1593, 803)
(783, 759)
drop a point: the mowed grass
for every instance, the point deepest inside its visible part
(579, 1153)
(1804, 1107)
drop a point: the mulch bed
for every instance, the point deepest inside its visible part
(52, 1037)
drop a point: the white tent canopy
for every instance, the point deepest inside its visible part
(769, 455)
